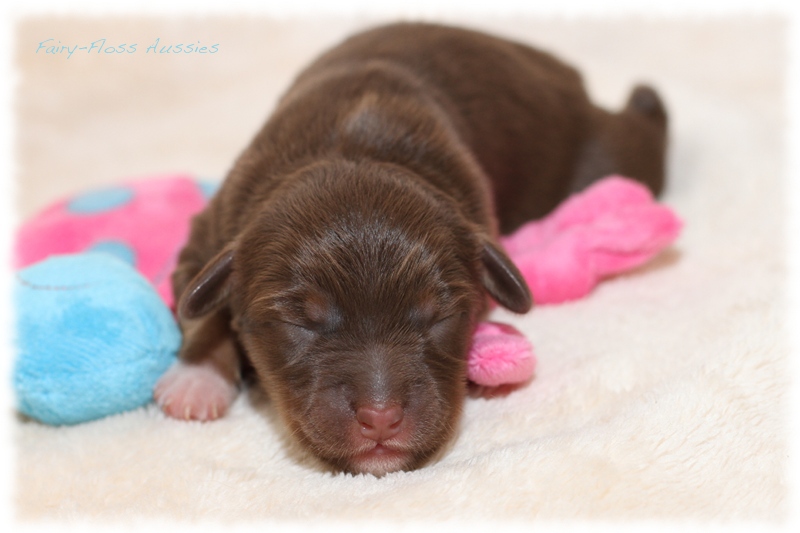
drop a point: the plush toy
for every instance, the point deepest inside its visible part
(94, 327)
(499, 355)
(609, 228)
(144, 223)
(93, 337)
(612, 226)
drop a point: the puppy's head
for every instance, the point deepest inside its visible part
(355, 292)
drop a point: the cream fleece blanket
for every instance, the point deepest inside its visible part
(660, 396)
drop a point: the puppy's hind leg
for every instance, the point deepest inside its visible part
(631, 142)
(204, 382)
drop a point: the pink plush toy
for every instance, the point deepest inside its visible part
(609, 228)
(144, 222)
(612, 226)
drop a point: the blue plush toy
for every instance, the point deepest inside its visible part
(93, 297)
(93, 337)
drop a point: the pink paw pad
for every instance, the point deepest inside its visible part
(194, 392)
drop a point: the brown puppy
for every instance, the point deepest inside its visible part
(348, 254)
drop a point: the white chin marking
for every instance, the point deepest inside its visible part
(379, 461)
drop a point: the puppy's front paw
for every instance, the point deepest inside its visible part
(194, 392)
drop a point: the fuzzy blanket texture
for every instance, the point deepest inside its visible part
(661, 396)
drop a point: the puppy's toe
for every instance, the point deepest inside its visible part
(194, 392)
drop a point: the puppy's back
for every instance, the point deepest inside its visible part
(522, 112)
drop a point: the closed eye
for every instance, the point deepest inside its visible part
(295, 324)
(298, 324)
(442, 326)
(426, 317)
(318, 328)
(444, 319)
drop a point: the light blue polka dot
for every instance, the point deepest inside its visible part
(99, 201)
(208, 188)
(116, 248)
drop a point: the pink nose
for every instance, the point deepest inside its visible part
(380, 423)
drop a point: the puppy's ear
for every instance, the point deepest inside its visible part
(503, 281)
(210, 288)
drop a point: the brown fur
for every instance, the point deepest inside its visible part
(347, 254)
